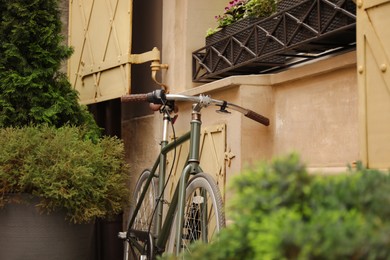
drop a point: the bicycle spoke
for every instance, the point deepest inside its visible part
(143, 220)
(203, 214)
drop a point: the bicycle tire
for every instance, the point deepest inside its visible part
(193, 212)
(143, 219)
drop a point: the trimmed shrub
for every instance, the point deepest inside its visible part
(279, 211)
(84, 178)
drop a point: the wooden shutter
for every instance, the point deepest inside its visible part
(212, 157)
(100, 32)
(373, 57)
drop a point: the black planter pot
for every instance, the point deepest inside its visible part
(27, 234)
(109, 246)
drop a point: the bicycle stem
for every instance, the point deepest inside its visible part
(195, 135)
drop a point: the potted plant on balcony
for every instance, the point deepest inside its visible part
(238, 15)
(228, 44)
(53, 161)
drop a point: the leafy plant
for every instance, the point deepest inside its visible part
(33, 90)
(233, 12)
(240, 9)
(279, 211)
(260, 8)
(64, 170)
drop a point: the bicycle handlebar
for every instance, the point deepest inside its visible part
(135, 98)
(159, 97)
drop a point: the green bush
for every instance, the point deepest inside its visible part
(64, 170)
(33, 90)
(279, 211)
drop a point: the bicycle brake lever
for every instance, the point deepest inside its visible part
(223, 111)
(173, 119)
(223, 108)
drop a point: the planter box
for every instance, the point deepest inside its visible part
(237, 43)
(315, 22)
(300, 28)
(27, 234)
(231, 29)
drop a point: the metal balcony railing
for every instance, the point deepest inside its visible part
(298, 32)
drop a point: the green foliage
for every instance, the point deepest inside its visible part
(240, 9)
(33, 90)
(64, 170)
(260, 8)
(279, 211)
(211, 31)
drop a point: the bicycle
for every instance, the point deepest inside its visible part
(195, 211)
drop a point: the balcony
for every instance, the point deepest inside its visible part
(299, 31)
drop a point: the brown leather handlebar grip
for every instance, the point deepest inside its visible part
(135, 98)
(257, 117)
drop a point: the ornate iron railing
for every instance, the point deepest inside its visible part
(302, 31)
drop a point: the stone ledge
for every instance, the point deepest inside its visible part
(310, 69)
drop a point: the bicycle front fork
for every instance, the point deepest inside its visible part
(193, 165)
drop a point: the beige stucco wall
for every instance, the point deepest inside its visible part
(185, 24)
(141, 138)
(318, 116)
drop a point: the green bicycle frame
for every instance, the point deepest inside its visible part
(162, 230)
(162, 158)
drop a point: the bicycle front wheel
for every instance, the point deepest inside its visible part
(144, 220)
(203, 215)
